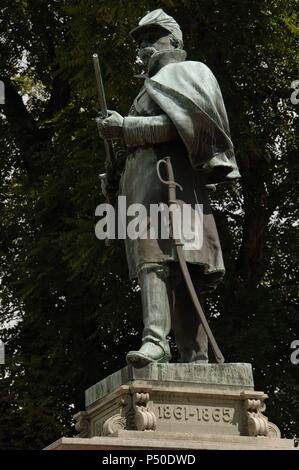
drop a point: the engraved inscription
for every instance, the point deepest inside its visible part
(204, 414)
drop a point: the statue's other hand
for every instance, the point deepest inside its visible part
(111, 127)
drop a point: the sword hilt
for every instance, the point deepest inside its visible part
(171, 183)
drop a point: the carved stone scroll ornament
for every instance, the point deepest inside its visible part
(82, 424)
(117, 422)
(113, 424)
(273, 431)
(258, 424)
(145, 420)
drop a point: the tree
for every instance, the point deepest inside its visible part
(68, 310)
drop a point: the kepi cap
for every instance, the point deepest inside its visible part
(159, 19)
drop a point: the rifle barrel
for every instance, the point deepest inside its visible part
(103, 104)
(100, 86)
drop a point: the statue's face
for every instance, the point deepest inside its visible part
(156, 38)
(151, 41)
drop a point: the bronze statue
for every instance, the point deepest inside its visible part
(179, 112)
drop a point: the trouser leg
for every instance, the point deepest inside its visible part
(156, 316)
(191, 339)
(155, 304)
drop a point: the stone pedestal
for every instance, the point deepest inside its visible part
(182, 406)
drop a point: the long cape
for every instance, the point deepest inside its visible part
(189, 94)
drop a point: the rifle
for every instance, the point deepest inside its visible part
(104, 112)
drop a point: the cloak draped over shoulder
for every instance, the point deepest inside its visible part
(189, 94)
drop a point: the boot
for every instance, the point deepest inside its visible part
(149, 352)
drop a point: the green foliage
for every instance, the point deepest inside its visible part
(68, 312)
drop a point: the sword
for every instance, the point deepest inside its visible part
(183, 264)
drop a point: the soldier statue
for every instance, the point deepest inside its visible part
(179, 112)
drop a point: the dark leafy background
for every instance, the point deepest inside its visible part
(68, 311)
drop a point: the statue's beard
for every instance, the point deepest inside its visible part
(146, 53)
